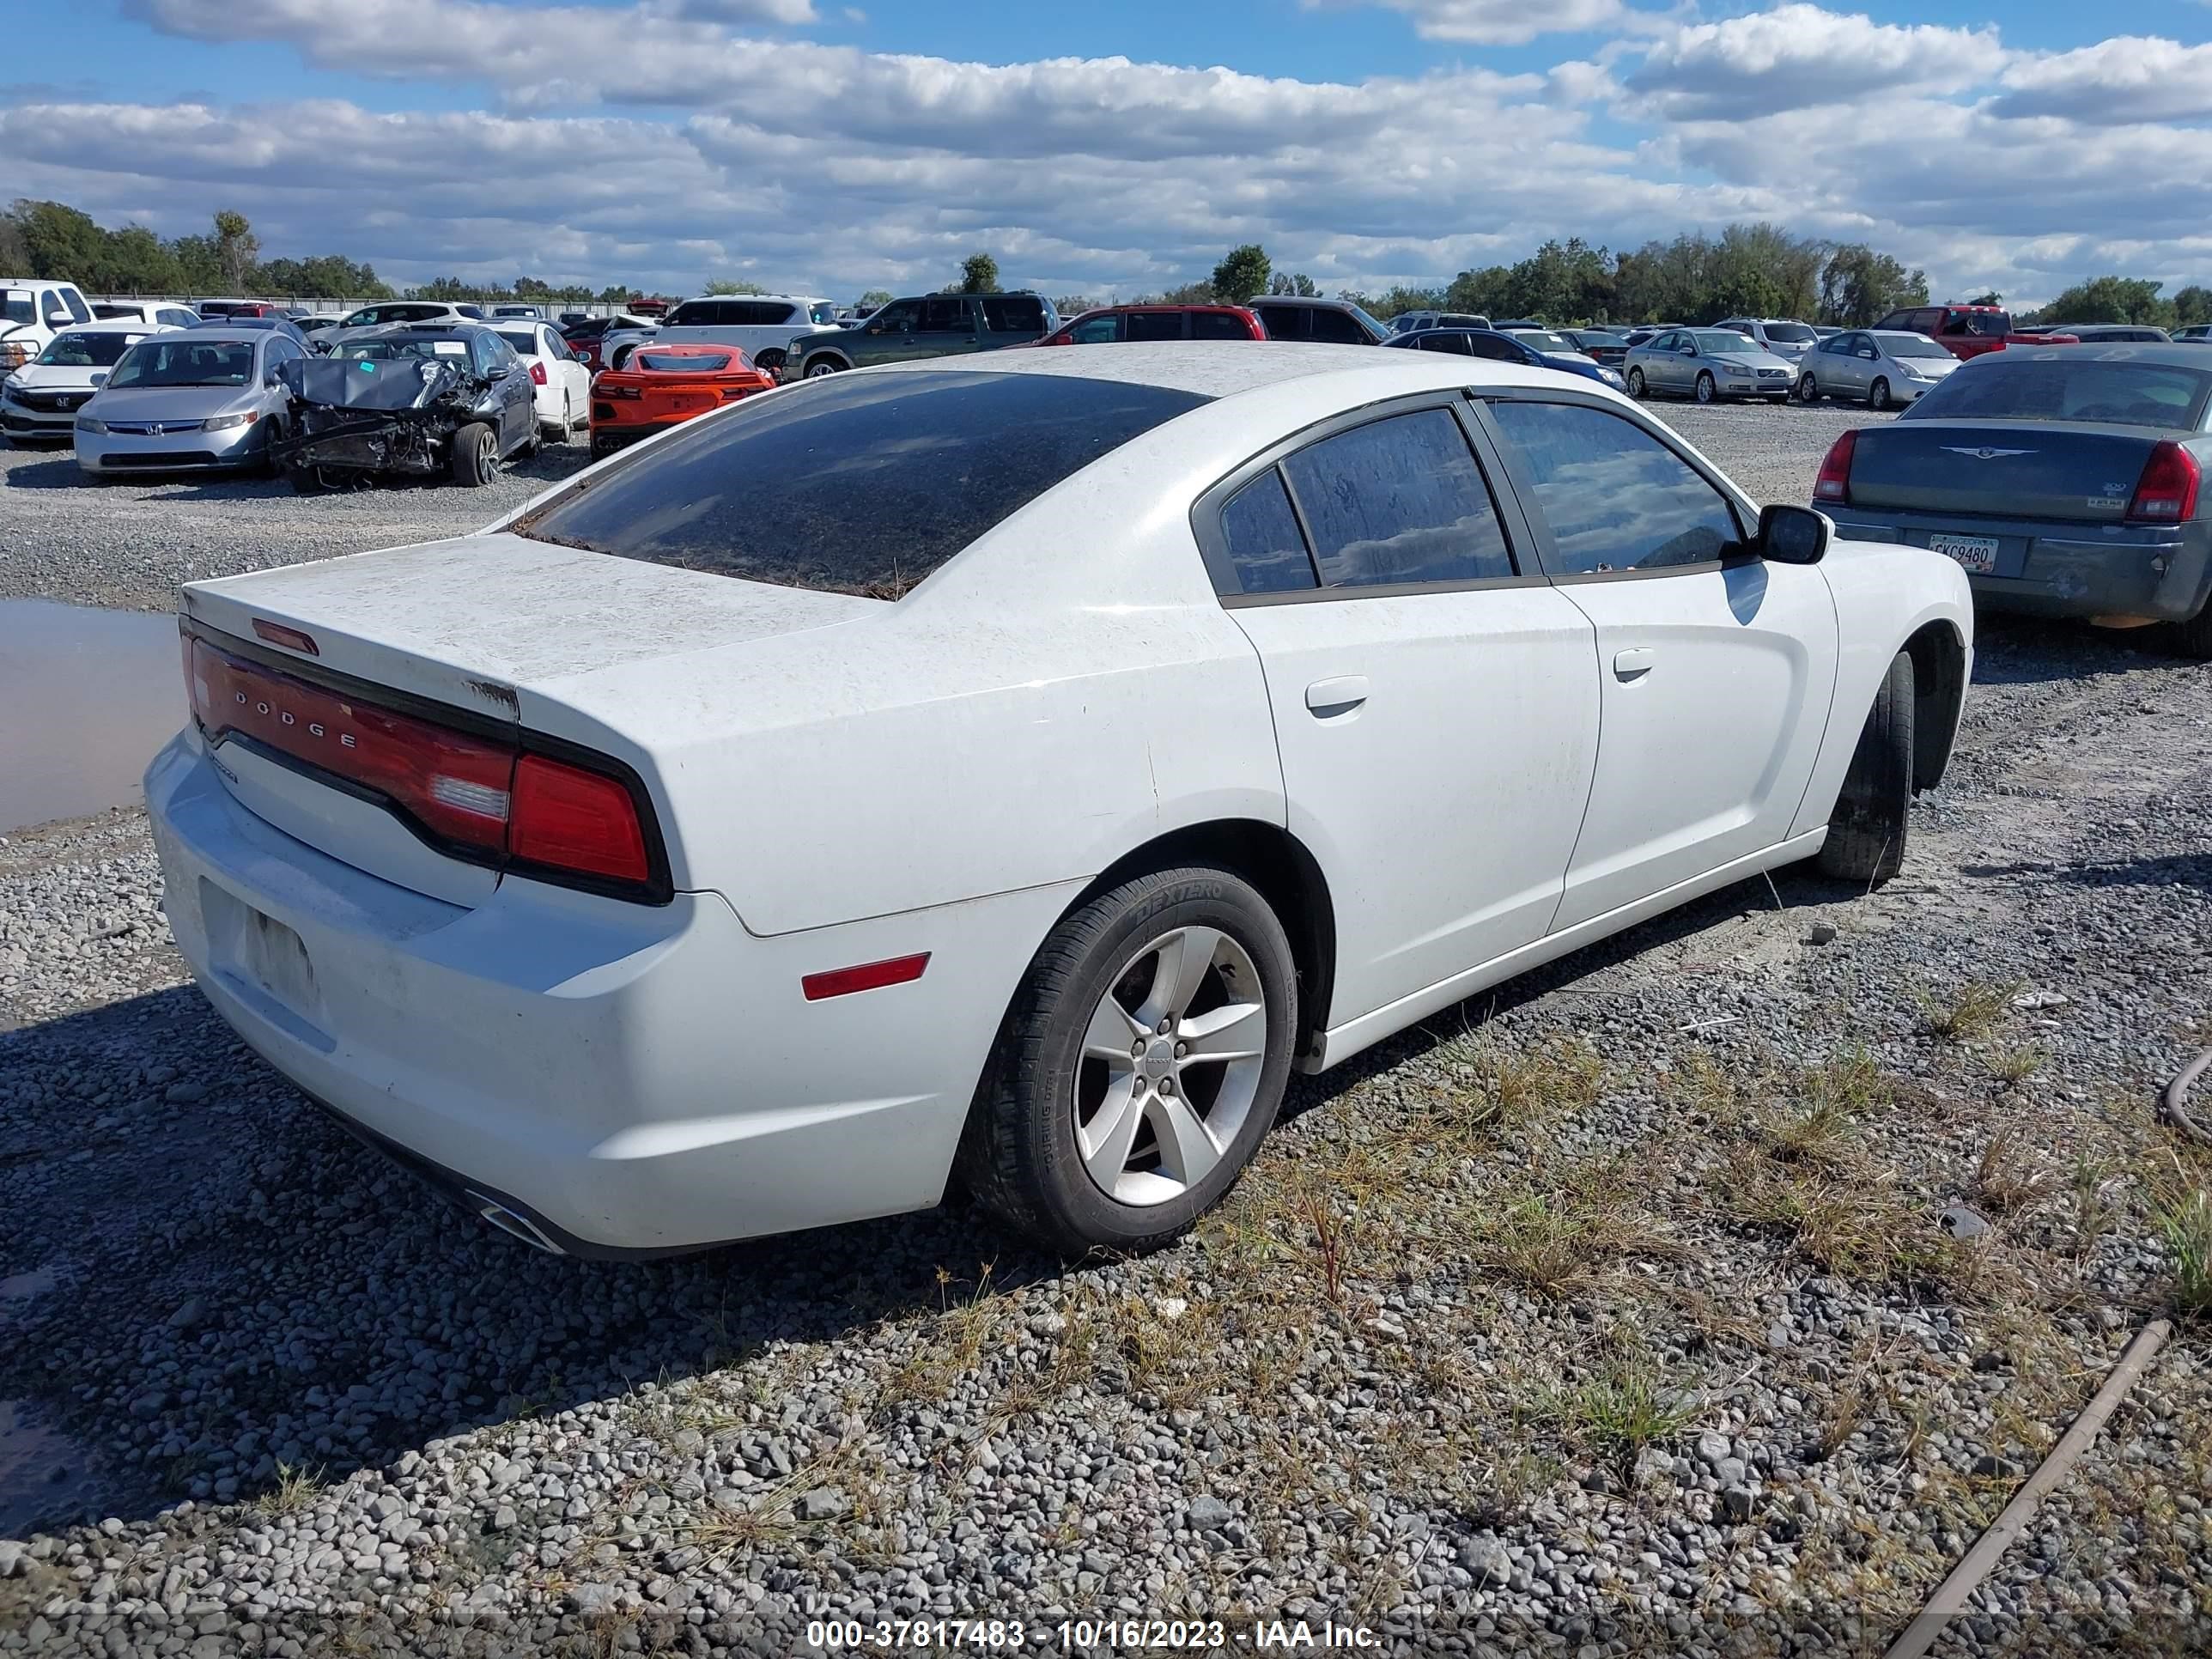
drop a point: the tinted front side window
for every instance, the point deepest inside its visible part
(1615, 497)
(1265, 544)
(1097, 330)
(1399, 500)
(859, 483)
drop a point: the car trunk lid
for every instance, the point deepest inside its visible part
(2001, 469)
(485, 637)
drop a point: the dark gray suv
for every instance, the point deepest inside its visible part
(931, 325)
(1336, 322)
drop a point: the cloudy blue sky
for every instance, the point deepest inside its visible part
(817, 147)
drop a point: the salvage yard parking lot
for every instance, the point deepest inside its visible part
(1616, 1310)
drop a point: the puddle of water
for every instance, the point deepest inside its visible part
(21, 1287)
(44, 1474)
(91, 694)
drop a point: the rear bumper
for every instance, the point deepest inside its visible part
(630, 1079)
(2063, 570)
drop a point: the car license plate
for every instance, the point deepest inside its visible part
(687, 403)
(1976, 553)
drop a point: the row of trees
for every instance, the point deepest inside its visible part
(1757, 269)
(52, 238)
(2127, 300)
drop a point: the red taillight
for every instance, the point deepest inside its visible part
(1834, 483)
(2166, 492)
(574, 819)
(482, 797)
(537, 371)
(868, 976)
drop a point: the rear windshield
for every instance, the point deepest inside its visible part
(88, 350)
(183, 361)
(855, 483)
(523, 340)
(1543, 340)
(681, 363)
(16, 307)
(1993, 324)
(1913, 345)
(2010, 385)
(1788, 331)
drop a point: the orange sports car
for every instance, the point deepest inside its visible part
(661, 386)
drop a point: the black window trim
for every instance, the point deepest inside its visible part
(1524, 486)
(1213, 544)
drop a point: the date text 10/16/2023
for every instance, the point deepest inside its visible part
(1081, 1635)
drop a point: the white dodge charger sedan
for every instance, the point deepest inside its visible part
(1014, 767)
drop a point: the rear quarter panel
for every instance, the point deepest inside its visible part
(1884, 595)
(1066, 689)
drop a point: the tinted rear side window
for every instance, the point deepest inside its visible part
(860, 483)
(1283, 322)
(1265, 546)
(1217, 326)
(1013, 314)
(1399, 500)
(1337, 327)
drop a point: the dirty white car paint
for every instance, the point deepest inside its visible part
(1476, 775)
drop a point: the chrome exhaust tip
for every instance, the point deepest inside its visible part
(510, 1222)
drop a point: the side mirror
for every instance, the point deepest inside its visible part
(1792, 535)
(1687, 350)
(100, 379)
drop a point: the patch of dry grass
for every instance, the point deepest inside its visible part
(2010, 1177)
(1973, 1010)
(1562, 1236)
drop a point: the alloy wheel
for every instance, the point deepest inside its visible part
(1171, 1064)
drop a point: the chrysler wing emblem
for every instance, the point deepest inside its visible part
(1985, 454)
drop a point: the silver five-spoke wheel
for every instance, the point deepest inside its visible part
(1170, 1066)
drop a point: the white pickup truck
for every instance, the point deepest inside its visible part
(33, 310)
(763, 326)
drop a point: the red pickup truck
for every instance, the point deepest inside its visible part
(1967, 330)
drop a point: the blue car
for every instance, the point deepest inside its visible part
(1538, 348)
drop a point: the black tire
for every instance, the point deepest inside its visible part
(818, 365)
(1878, 394)
(1866, 832)
(620, 356)
(1018, 1155)
(305, 480)
(476, 452)
(769, 362)
(1809, 389)
(1708, 391)
(2193, 638)
(1636, 385)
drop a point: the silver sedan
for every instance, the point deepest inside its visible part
(191, 400)
(1707, 364)
(1886, 367)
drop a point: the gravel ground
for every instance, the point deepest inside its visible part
(129, 545)
(1615, 1313)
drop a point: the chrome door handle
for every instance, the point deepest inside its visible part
(1336, 696)
(1634, 664)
